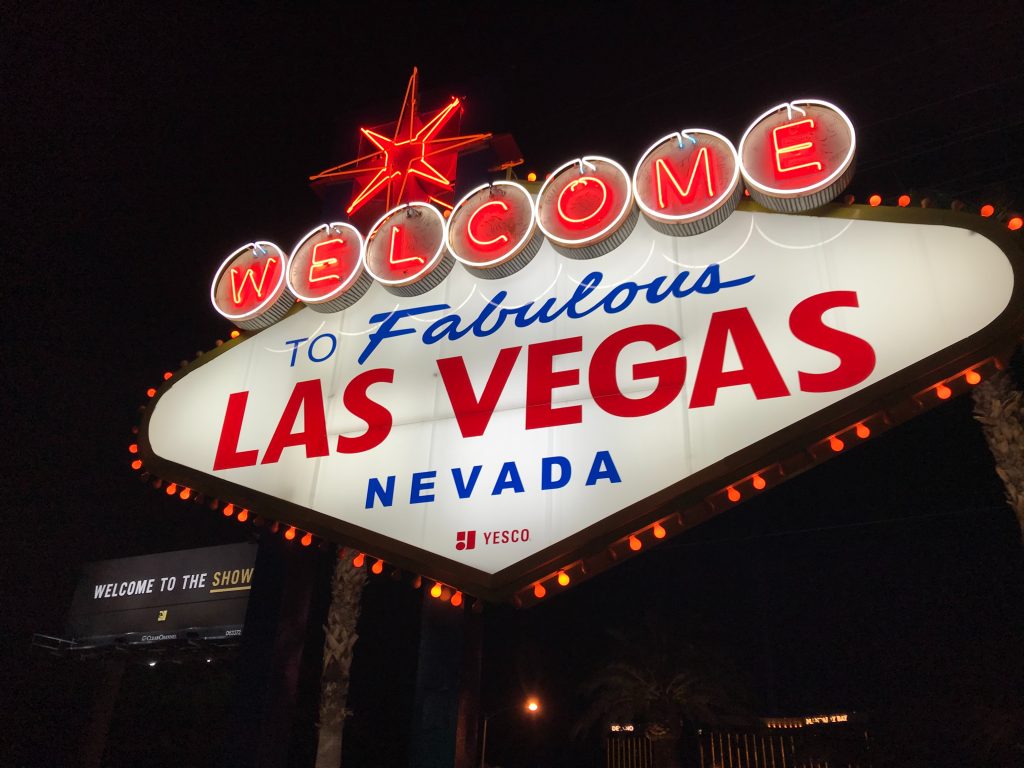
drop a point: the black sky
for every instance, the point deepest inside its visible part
(142, 144)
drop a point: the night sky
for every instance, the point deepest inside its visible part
(141, 146)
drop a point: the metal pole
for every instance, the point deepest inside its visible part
(483, 745)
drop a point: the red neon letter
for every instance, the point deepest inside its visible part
(228, 455)
(378, 418)
(320, 260)
(479, 242)
(757, 367)
(856, 356)
(398, 247)
(661, 167)
(801, 132)
(473, 414)
(670, 374)
(542, 380)
(308, 396)
(580, 183)
(249, 277)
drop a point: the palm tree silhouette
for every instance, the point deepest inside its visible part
(667, 683)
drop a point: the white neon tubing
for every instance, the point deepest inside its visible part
(840, 170)
(512, 251)
(376, 228)
(716, 201)
(627, 201)
(332, 228)
(272, 295)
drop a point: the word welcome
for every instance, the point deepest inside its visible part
(795, 157)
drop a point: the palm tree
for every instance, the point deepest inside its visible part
(340, 638)
(997, 405)
(665, 683)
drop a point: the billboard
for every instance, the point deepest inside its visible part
(168, 596)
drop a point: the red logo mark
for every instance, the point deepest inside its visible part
(465, 540)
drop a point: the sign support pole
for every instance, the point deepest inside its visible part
(467, 730)
(446, 705)
(270, 658)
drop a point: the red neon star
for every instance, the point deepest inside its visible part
(413, 165)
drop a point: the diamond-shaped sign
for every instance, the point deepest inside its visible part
(494, 433)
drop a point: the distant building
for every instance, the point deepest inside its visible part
(628, 747)
(829, 740)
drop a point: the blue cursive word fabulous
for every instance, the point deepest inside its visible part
(493, 316)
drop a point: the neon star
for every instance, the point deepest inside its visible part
(412, 164)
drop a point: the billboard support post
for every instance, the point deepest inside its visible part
(108, 688)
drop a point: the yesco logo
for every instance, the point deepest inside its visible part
(467, 539)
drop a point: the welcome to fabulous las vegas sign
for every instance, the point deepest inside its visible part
(512, 396)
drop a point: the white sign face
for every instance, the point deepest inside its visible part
(486, 422)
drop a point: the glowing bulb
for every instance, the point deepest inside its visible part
(733, 494)
(987, 210)
(358, 560)
(306, 540)
(378, 567)
(435, 591)
(973, 377)
(635, 544)
(539, 591)
(835, 444)
(243, 516)
(235, 334)
(658, 531)
(229, 510)
(457, 599)
(875, 200)
(532, 705)
(758, 482)
(531, 176)
(185, 493)
(863, 432)
(167, 375)
(290, 533)
(943, 392)
(137, 464)
(150, 392)
(133, 448)
(904, 201)
(171, 489)
(563, 579)
(1015, 223)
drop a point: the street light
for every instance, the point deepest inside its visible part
(532, 706)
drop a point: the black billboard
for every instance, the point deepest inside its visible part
(168, 596)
